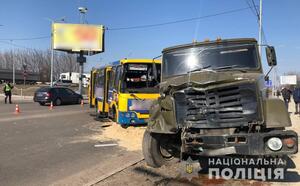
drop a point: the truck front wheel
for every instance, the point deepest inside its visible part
(155, 152)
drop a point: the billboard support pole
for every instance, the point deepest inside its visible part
(81, 60)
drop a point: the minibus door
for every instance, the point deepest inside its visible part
(106, 90)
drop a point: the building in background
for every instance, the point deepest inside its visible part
(288, 80)
(74, 77)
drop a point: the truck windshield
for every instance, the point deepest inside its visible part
(221, 57)
(139, 78)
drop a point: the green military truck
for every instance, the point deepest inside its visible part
(213, 102)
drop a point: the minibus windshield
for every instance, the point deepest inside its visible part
(139, 78)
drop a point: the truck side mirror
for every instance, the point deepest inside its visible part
(271, 56)
(267, 78)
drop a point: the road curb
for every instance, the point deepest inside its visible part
(104, 177)
(102, 171)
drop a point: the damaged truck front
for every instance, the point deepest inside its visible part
(213, 102)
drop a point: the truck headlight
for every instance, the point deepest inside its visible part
(274, 144)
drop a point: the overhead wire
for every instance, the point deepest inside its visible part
(132, 27)
(16, 45)
(178, 21)
(256, 14)
(258, 19)
(254, 5)
(26, 38)
(250, 6)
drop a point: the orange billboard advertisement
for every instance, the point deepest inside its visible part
(78, 38)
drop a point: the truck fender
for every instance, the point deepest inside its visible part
(276, 114)
(162, 117)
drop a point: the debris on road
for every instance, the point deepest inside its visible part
(130, 138)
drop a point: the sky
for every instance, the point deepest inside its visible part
(28, 19)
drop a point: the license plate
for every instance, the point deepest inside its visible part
(40, 94)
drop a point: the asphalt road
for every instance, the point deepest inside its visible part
(141, 174)
(54, 147)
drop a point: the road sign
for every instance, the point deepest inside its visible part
(268, 83)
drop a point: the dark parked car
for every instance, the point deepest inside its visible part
(58, 96)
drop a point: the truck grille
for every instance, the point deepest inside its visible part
(216, 108)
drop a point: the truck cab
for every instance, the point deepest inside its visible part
(213, 102)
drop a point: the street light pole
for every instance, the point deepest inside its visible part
(260, 28)
(13, 62)
(81, 59)
(52, 50)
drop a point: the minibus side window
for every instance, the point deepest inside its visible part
(99, 84)
(112, 78)
(117, 78)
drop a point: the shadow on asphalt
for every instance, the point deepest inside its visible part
(164, 179)
(94, 115)
(62, 105)
(20, 102)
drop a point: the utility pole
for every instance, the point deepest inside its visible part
(260, 28)
(275, 85)
(51, 45)
(13, 62)
(81, 59)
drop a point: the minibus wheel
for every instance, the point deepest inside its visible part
(113, 114)
(96, 110)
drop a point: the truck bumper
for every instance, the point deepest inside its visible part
(239, 144)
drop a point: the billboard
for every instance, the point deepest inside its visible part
(78, 37)
(288, 80)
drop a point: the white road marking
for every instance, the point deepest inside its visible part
(105, 145)
(35, 116)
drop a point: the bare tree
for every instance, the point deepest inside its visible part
(38, 61)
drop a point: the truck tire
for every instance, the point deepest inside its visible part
(154, 154)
